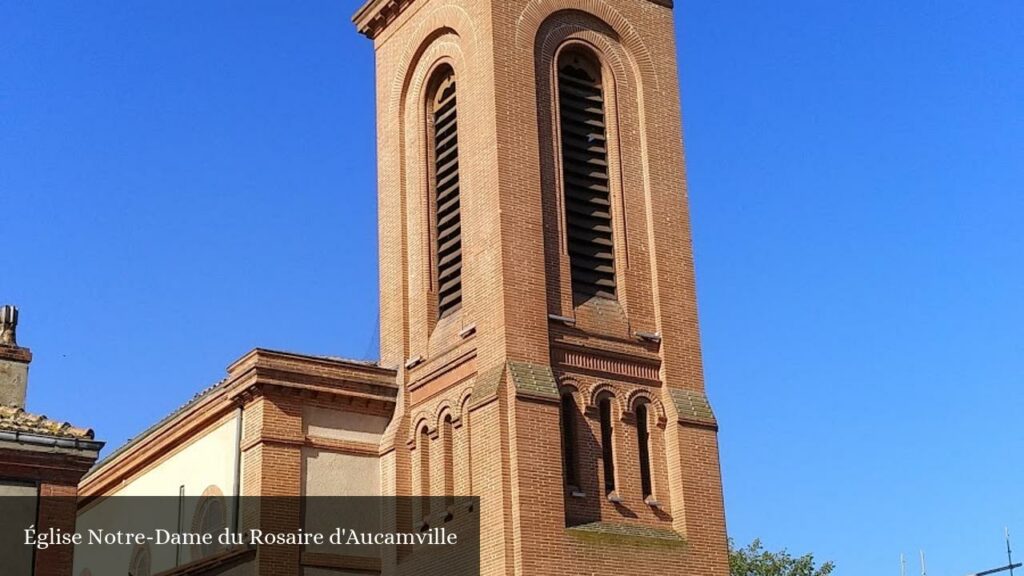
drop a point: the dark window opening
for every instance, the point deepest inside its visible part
(568, 421)
(607, 438)
(447, 210)
(644, 439)
(585, 177)
(449, 461)
(424, 466)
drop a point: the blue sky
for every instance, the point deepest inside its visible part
(183, 181)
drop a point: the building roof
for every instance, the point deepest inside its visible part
(16, 420)
(337, 368)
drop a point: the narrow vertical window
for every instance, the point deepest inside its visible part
(643, 437)
(446, 206)
(448, 446)
(607, 439)
(585, 176)
(568, 421)
(424, 466)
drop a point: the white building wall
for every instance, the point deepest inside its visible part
(207, 461)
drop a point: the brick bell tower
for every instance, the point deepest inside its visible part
(537, 283)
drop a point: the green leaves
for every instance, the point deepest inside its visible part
(754, 560)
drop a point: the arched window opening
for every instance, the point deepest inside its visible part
(585, 176)
(210, 518)
(140, 562)
(445, 203)
(643, 436)
(424, 466)
(607, 441)
(570, 468)
(448, 447)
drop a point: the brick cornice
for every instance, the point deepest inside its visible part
(376, 15)
(249, 377)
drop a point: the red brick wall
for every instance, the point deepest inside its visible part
(57, 509)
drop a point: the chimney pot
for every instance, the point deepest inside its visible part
(14, 360)
(8, 326)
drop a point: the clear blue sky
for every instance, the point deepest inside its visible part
(183, 181)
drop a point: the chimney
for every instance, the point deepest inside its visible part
(14, 360)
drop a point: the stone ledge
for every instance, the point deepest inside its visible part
(611, 532)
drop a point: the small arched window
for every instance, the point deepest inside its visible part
(604, 406)
(643, 436)
(448, 447)
(445, 187)
(210, 518)
(567, 419)
(585, 177)
(424, 465)
(140, 562)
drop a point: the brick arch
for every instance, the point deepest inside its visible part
(640, 395)
(539, 12)
(421, 421)
(568, 384)
(444, 47)
(603, 388)
(604, 47)
(444, 19)
(465, 401)
(445, 408)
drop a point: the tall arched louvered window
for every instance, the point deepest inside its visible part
(446, 209)
(581, 108)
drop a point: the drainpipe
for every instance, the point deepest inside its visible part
(238, 468)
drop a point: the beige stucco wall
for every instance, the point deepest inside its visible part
(207, 461)
(343, 425)
(337, 472)
(333, 474)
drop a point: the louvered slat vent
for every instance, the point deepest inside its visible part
(585, 176)
(448, 220)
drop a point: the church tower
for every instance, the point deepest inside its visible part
(537, 283)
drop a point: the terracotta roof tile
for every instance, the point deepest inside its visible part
(17, 420)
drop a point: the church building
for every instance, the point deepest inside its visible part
(539, 343)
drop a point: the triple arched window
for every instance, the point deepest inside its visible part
(570, 423)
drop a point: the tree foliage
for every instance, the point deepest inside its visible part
(754, 560)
